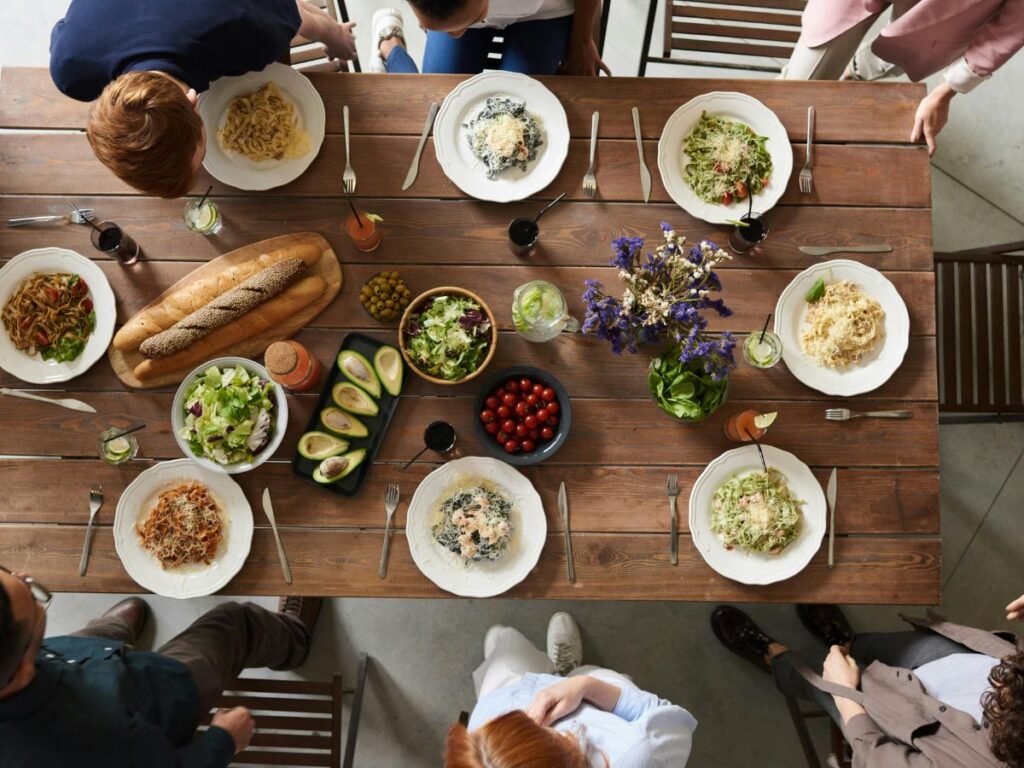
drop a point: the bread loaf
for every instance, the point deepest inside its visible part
(276, 310)
(224, 309)
(183, 302)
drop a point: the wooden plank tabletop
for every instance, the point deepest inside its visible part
(871, 185)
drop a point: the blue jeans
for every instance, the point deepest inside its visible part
(530, 47)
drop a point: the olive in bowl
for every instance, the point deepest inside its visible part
(522, 415)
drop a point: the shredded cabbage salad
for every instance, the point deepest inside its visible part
(724, 154)
(756, 512)
(448, 337)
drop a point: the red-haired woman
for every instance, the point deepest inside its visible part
(537, 710)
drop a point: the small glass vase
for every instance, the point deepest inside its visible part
(669, 357)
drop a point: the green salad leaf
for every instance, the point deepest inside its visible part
(65, 350)
(448, 338)
(684, 390)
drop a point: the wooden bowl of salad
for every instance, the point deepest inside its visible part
(447, 335)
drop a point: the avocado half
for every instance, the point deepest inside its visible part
(341, 423)
(351, 398)
(336, 467)
(358, 370)
(389, 367)
(318, 446)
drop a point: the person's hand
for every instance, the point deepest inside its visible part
(932, 114)
(840, 668)
(582, 58)
(1015, 610)
(239, 723)
(561, 699)
(341, 43)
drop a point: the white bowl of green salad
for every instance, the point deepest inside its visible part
(229, 416)
(448, 335)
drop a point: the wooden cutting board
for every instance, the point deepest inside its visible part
(327, 267)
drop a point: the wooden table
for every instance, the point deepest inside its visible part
(870, 185)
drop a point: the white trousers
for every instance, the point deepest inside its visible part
(513, 656)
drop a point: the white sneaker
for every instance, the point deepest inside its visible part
(386, 22)
(491, 639)
(565, 646)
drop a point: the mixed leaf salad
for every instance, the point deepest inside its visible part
(229, 415)
(448, 337)
(685, 390)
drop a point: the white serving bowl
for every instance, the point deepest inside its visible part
(280, 417)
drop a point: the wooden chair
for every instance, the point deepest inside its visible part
(839, 751)
(600, 32)
(980, 298)
(760, 31)
(308, 56)
(305, 718)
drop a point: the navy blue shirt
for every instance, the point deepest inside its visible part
(92, 703)
(196, 41)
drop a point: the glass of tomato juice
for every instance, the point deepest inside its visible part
(363, 231)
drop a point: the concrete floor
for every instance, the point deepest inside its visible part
(425, 650)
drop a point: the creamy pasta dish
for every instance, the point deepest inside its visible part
(842, 326)
(263, 125)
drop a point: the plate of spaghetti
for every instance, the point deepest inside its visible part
(57, 312)
(182, 530)
(263, 129)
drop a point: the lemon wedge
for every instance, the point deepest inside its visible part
(765, 420)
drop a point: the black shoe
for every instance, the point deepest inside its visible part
(305, 609)
(826, 622)
(738, 632)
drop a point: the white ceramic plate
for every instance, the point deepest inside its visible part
(280, 417)
(193, 579)
(35, 370)
(878, 365)
(754, 567)
(672, 160)
(487, 578)
(239, 172)
(466, 171)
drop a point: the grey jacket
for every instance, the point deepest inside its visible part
(905, 727)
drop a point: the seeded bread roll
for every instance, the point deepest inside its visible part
(224, 309)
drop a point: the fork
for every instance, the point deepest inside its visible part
(590, 178)
(348, 179)
(390, 505)
(87, 214)
(95, 502)
(806, 177)
(845, 414)
(673, 492)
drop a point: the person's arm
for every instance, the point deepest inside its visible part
(581, 55)
(564, 698)
(229, 733)
(317, 25)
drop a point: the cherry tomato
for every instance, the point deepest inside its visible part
(503, 411)
(534, 434)
(530, 421)
(499, 392)
(508, 426)
(522, 409)
(492, 402)
(51, 294)
(741, 189)
(537, 389)
(764, 181)
(548, 395)
(511, 385)
(508, 399)
(521, 430)
(528, 446)
(487, 416)
(40, 338)
(552, 421)
(511, 446)
(542, 415)
(501, 437)
(26, 322)
(492, 428)
(525, 385)
(80, 288)
(547, 433)
(719, 168)
(726, 199)
(553, 408)
(87, 305)
(530, 399)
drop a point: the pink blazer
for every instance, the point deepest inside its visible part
(930, 35)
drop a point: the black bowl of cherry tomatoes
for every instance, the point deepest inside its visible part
(523, 415)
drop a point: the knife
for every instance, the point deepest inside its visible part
(268, 509)
(645, 175)
(563, 509)
(415, 167)
(67, 402)
(830, 494)
(825, 250)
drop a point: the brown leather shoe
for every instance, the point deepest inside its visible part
(305, 609)
(133, 612)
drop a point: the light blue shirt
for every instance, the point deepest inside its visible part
(958, 680)
(642, 731)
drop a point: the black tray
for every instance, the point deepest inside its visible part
(377, 425)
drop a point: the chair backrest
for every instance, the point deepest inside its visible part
(304, 719)
(762, 32)
(980, 301)
(308, 56)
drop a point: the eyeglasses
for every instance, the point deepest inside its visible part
(40, 594)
